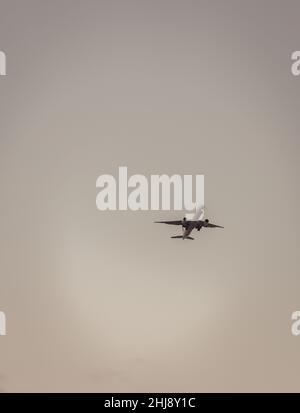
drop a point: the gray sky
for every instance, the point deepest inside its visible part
(106, 301)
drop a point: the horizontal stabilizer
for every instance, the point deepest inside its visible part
(180, 236)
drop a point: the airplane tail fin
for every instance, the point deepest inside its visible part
(198, 213)
(180, 236)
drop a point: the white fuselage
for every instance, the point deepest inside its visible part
(198, 215)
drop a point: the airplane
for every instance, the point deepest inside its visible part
(197, 222)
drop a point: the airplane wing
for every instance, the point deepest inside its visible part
(213, 225)
(169, 222)
(207, 225)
